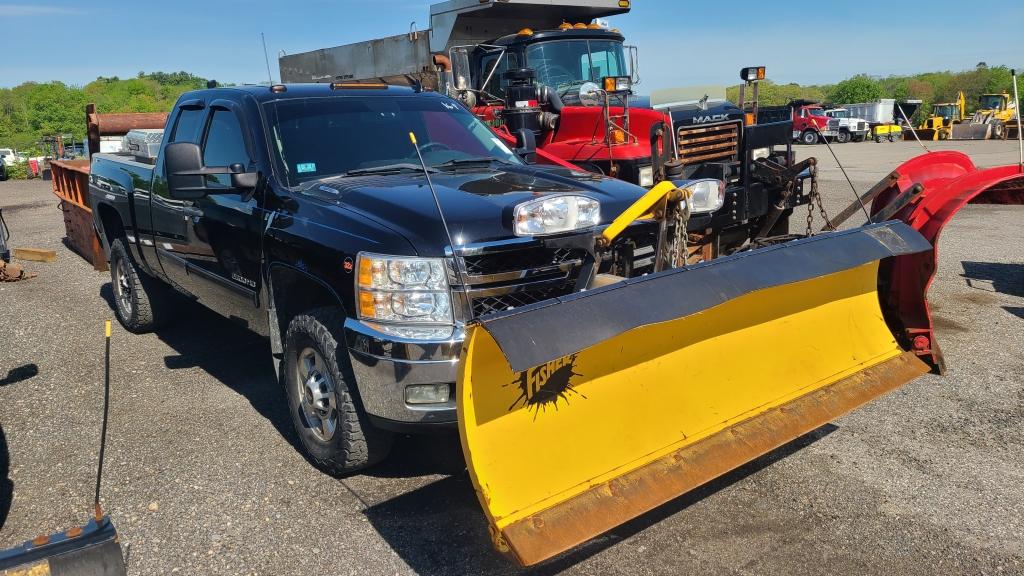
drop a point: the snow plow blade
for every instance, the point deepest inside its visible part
(582, 412)
(90, 550)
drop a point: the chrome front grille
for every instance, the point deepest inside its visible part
(714, 143)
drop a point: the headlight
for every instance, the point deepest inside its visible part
(403, 290)
(706, 195)
(647, 176)
(759, 153)
(556, 214)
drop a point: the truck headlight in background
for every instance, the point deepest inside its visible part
(705, 195)
(555, 214)
(752, 73)
(403, 290)
(759, 153)
(646, 176)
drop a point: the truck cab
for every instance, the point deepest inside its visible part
(850, 128)
(810, 121)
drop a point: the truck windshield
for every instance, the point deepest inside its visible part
(320, 137)
(567, 64)
(816, 111)
(991, 102)
(839, 114)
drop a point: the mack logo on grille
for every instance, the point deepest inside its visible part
(546, 384)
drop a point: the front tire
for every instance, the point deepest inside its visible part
(332, 426)
(879, 139)
(892, 137)
(140, 302)
(843, 137)
(809, 137)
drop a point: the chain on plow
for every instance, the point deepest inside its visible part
(814, 199)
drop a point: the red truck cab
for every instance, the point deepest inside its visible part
(810, 123)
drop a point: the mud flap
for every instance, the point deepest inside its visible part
(583, 412)
(90, 550)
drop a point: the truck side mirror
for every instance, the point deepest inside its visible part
(526, 145)
(184, 164)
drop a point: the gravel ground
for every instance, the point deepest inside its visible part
(203, 475)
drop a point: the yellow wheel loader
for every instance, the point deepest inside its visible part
(990, 121)
(939, 124)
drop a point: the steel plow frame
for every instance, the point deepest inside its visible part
(945, 182)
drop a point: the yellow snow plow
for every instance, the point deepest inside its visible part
(581, 412)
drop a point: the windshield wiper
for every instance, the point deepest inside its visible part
(387, 169)
(483, 161)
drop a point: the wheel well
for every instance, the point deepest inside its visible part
(113, 228)
(295, 292)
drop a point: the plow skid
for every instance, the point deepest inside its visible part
(582, 412)
(947, 182)
(90, 550)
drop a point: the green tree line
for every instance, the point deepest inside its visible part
(31, 111)
(929, 87)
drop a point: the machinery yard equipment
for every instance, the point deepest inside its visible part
(89, 550)
(607, 393)
(71, 179)
(990, 121)
(885, 117)
(546, 70)
(939, 124)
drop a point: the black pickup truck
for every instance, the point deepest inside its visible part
(303, 212)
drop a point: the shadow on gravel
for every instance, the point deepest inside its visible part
(1015, 310)
(995, 277)
(6, 484)
(20, 374)
(236, 356)
(440, 528)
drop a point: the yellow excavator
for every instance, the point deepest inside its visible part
(995, 114)
(939, 125)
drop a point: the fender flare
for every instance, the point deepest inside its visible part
(951, 181)
(273, 319)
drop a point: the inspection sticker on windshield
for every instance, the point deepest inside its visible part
(306, 167)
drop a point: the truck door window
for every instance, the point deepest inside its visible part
(190, 122)
(224, 145)
(496, 86)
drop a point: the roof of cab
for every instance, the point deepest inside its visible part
(264, 93)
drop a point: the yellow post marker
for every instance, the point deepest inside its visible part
(108, 328)
(412, 138)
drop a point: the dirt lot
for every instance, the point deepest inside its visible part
(203, 474)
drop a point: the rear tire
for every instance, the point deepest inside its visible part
(892, 137)
(879, 139)
(140, 301)
(334, 429)
(809, 137)
(843, 137)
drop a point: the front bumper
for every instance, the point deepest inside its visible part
(384, 364)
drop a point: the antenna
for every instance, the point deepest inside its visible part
(847, 176)
(912, 130)
(266, 58)
(444, 223)
(1020, 133)
(97, 510)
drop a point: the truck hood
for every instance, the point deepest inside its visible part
(478, 204)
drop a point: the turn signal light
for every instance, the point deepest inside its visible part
(749, 116)
(565, 26)
(526, 32)
(580, 26)
(617, 83)
(752, 73)
(618, 136)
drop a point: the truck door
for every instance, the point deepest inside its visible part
(166, 236)
(223, 228)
